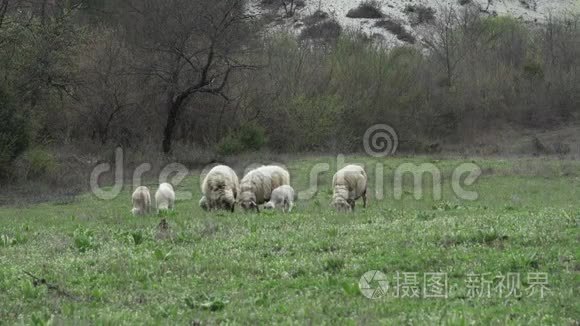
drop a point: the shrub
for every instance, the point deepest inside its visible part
(313, 122)
(326, 31)
(398, 29)
(366, 9)
(315, 18)
(420, 14)
(497, 26)
(533, 70)
(250, 137)
(230, 145)
(35, 163)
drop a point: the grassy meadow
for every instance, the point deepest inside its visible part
(92, 262)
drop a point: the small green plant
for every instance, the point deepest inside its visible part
(7, 241)
(333, 264)
(425, 216)
(446, 206)
(161, 254)
(84, 240)
(205, 303)
(138, 237)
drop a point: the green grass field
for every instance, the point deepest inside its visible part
(101, 265)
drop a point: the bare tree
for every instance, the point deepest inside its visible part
(190, 47)
(444, 42)
(107, 86)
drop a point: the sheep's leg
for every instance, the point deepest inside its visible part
(364, 196)
(290, 206)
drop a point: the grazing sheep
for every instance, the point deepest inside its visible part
(258, 184)
(350, 183)
(141, 201)
(283, 197)
(220, 188)
(165, 197)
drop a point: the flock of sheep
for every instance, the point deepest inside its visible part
(268, 185)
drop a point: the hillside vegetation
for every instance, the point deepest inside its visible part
(192, 82)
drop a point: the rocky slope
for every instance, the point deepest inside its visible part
(405, 19)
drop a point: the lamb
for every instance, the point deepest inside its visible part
(165, 197)
(141, 201)
(283, 197)
(349, 183)
(257, 185)
(220, 188)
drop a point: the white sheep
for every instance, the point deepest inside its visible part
(350, 184)
(257, 185)
(141, 201)
(282, 197)
(165, 197)
(220, 188)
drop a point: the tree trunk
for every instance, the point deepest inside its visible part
(173, 109)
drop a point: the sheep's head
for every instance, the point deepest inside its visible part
(163, 207)
(247, 200)
(269, 205)
(203, 204)
(223, 199)
(228, 203)
(341, 205)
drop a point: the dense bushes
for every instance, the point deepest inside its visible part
(489, 72)
(249, 137)
(99, 86)
(14, 132)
